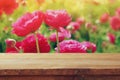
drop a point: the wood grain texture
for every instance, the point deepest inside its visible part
(98, 78)
(56, 61)
(59, 66)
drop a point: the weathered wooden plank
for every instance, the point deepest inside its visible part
(60, 72)
(46, 55)
(100, 78)
(40, 78)
(58, 61)
(59, 66)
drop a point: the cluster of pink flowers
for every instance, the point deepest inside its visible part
(28, 45)
(29, 23)
(114, 22)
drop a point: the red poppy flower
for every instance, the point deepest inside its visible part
(29, 44)
(111, 38)
(57, 18)
(28, 23)
(104, 18)
(71, 46)
(89, 46)
(115, 23)
(8, 6)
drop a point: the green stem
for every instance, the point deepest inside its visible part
(37, 44)
(57, 41)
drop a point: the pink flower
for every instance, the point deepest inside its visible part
(57, 18)
(80, 20)
(12, 49)
(73, 26)
(94, 28)
(89, 46)
(65, 32)
(88, 25)
(61, 35)
(111, 38)
(104, 18)
(28, 23)
(8, 6)
(118, 12)
(53, 37)
(115, 23)
(71, 46)
(29, 44)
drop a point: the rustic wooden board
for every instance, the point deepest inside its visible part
(53, 61)
(59, 66)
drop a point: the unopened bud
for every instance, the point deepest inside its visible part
(10, 42)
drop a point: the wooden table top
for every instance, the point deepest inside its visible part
(59, 66)
(59, 61)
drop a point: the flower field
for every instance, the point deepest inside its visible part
(59, 26)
